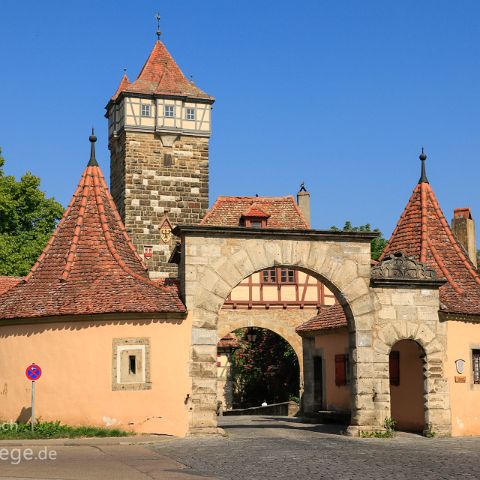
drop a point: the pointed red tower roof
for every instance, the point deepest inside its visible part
(424, 234)
(124, 84)
(89, 265)
(162, 76)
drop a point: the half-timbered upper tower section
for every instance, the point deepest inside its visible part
(159, 127)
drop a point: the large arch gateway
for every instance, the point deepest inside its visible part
(214, 260)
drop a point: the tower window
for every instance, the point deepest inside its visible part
(169, 111)
(190, 114)
(145, 110)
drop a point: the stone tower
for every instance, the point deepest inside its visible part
(159, 130)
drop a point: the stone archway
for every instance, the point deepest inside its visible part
(407, 391)
(215, 260)
(264, 320)
(436, 396)
(289, 372)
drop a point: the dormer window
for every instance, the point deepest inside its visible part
(145, 111)
(257, 223)
(253, 222)
(254, 217)
(169, 111)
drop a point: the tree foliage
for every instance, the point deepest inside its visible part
(377, 244)
(27, 220)
(263, 370)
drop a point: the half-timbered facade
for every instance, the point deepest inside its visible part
(279, 287)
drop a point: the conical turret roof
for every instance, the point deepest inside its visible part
(124, 84)
(424, 234)
(89, 265)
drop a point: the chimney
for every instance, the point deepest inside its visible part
(463, 228)
(303, 201)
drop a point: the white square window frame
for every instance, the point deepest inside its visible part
(190, 110)
(122, 348)
(169, 108)
(131, 343)
(148, 108)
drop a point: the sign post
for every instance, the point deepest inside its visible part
(33, 373)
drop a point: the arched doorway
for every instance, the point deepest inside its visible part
(406, 365)
(256, 366)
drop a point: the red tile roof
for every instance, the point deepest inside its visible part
(124, 83)
(424, 234)
(162, 76)
(6, 283)
(89, 265)
(255, 211)
(283, 212)
(329, 317)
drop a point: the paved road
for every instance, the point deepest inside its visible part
(253, 448)
(90, 462)
(262, 448)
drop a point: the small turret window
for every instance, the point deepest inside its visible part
(145, 111)
(169, 111)
(190, 114)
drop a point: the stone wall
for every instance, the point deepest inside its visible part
(411, 313)
(153, 177)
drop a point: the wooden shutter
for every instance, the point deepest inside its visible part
(394, 368)
(318, 380)
(340, 369)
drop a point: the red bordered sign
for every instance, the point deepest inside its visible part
(33, 372)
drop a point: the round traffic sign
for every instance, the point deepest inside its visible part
(33, 372)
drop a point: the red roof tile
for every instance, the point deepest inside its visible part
(329, 317)
(424, 234)
(162, 76)
(282, 212)
(89, 265)
(6, 283)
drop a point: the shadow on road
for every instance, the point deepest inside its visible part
(285, 423)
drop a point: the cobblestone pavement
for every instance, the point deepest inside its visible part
(266, 448)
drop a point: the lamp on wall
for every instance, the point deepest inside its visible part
(251, 335)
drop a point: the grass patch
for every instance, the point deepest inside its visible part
(43, 430)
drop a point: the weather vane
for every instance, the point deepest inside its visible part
(158, 26)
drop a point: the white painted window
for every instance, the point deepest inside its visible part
(190, 114)
(131, 364)
(145, 111)
(169, 111)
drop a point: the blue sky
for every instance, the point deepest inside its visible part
(341, 94)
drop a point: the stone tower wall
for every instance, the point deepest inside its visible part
(154, 176)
